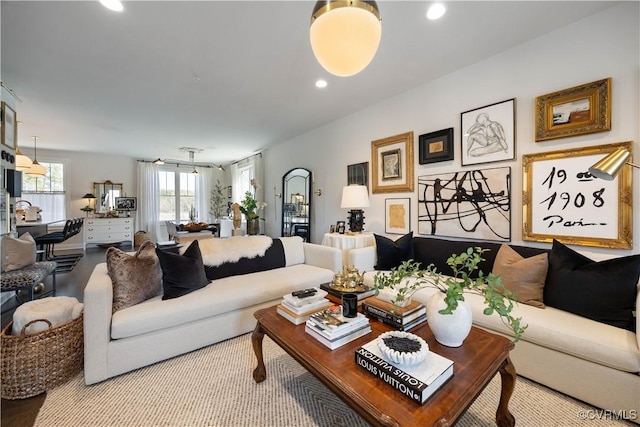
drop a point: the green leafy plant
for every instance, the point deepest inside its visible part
(248, 206)
(217, 203)
(409, 277)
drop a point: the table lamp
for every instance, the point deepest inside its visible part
(88, 208)
(355, 197)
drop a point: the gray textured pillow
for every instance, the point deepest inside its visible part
(135, 278)
(525, 277)
(18, 253)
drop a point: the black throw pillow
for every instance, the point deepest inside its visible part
(182, 274)
(603, 291)
(391, 254)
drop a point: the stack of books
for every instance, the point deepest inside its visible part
(400, 318)
(334, 330)
(417, 382)
(297, 309)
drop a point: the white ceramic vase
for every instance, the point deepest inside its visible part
(449, 329)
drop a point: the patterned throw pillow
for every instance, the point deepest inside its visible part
(524, 277)
(135, 278)
(18, 253)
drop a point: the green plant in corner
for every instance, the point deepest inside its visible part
(217, 203)
(409, 277)
(248, 206)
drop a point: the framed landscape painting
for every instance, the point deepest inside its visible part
(473, 204)
(575, 111)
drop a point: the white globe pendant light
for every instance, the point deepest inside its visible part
(345, 35)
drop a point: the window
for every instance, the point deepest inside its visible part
(243, 179)
(47, 192)
(177, 195)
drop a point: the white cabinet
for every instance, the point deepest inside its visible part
(107, 230)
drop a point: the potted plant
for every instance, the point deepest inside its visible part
(410, 277)
(217, 203)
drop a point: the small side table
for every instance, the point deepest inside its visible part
(346, 242)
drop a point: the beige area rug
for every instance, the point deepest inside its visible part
(214, 387)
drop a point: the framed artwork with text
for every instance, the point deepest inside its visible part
(563, 201)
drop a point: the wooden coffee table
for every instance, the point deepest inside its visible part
(476, 362)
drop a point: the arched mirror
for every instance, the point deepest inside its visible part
(106, 193)
(296, 204)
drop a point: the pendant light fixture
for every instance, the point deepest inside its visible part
(23, 162)
(36, 168)
(345, 35)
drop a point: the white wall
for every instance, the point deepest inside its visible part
(603, 45)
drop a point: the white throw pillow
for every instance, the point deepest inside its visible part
(18, 253)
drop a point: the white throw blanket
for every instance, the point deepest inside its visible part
(57, 310)
(218, 251)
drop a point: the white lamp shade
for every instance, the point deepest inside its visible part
(36, 169)
(355, 197)
(23, 163)
(345, 39)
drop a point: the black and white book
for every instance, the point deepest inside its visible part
(417, 382)
(295, 301)
(395, 325)
(335, 325)
(309, 308)
(373, 309)
(338, 341)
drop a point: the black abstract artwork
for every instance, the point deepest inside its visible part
(473, 204)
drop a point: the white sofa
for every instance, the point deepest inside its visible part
(156, 330)
(588, 360)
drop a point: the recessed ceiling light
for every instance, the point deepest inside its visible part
(436, 11)
(115, 5)
(321, 83)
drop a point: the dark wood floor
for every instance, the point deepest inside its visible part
(23, 412)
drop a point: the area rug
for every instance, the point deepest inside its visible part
(214, 387)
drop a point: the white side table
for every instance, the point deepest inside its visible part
(346, 242)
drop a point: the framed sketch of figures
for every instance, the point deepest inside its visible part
(489, 133)
(563, 201)
(473, 204)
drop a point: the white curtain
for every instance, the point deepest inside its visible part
(235, 187)
(204, 184)
(148, 214)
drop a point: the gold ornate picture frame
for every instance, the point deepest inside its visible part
(575, 111)
(392, 164)
(563, 201)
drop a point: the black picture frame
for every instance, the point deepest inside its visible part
(358, 173)
(436, 146)
(340, 227)
(126, 204)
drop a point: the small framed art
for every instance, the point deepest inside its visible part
(9, 129)
(340, 227)
(358, 174)
(397, 216)
(392, 164)
(435, 146)
(488, 133)
(575, 111)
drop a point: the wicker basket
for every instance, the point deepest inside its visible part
(33, 364)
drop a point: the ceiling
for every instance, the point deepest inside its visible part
(228, 77)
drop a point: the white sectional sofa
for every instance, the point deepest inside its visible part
(157, 329)
(591, 361)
